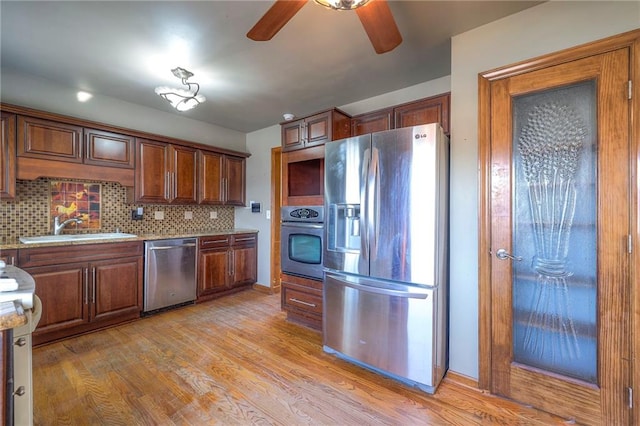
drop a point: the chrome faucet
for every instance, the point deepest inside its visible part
(58, 227)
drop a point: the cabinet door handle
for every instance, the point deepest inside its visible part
(13, 261)
(21, 342)
(244, 239)
(225, 189)
(93, 291)
(86, 286)
(293, 299)
(167, 183)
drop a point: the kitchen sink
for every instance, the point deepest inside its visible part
(74, 237)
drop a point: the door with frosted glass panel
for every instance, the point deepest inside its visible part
(560, 209)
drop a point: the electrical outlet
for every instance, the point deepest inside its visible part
(268, 213)
(188, 215)
(158, 215)
(213, 214)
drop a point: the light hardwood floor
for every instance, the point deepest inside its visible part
(233, 361)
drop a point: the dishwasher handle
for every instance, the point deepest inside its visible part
(172, 247)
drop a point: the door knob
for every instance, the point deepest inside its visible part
(502, 254)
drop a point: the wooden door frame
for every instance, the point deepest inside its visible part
(276, 204)
(630, 40)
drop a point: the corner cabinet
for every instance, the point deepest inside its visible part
(165, 173)
(227, 263)
(7, 155)
(222, 179)
(315, 130)
(85, 287)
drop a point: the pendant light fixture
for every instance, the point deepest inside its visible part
(181, 99)
(342, 4)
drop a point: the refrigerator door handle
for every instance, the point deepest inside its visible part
(374, 196)
(413, 294)
(364, 214)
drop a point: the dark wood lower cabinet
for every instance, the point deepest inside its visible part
(302, 300)
(85, 287)
(227, 263)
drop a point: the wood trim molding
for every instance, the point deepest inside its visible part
(619, 41)
(629, 40)
(262, 288)
(484, 233)
(462, 380)
(276, 204)
(634, 156)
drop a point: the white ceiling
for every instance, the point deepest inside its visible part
(320, 59)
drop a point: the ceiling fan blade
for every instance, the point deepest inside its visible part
(380, 26)
(275, 18)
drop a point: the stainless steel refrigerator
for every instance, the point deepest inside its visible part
(385, 253)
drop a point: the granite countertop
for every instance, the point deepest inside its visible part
(142, 237)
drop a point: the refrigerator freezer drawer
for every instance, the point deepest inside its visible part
(392, 330)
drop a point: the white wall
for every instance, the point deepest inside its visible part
(259, 144)
(546, 28)
(42, 94)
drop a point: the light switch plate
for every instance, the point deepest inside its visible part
(213, 214)
(188, 215)
(158, 215)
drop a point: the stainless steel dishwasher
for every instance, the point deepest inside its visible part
(170, 273)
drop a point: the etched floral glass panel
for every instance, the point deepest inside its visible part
(554, 220)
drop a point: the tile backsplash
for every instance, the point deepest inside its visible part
(28, 214)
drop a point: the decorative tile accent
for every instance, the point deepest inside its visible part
(76, 200)
(28, 214)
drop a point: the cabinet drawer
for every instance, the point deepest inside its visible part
(297, 299)
(244, 240)
(56, 255)
(217, 241)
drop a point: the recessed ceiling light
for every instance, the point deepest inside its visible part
(83, 96)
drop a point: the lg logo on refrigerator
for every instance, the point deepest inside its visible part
(420, 135)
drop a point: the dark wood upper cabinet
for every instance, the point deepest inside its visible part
(222, 179)
(429, 110)
(372, 122)
(52, 140)
(151, 183)
(7, 155)
(183, 175)
(109, 149)
(49, 140)
(315, 130)
(235, 175)
(166, 173)
(211, 184)
(423, 111)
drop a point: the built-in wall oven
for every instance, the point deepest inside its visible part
(301, 238)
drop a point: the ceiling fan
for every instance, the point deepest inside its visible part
(375, 16)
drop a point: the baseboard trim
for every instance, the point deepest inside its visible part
(461, 380)
(262, 288)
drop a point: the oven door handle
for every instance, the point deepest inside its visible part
(303, 225)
